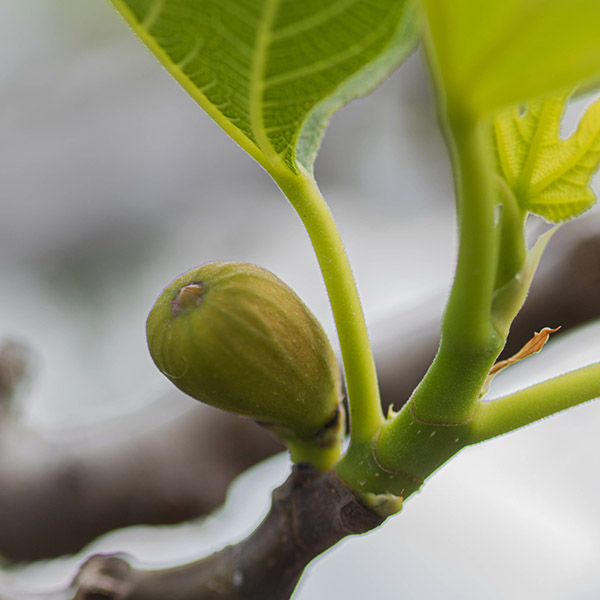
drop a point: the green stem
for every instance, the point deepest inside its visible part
(469, 344)
(359, 366)
(500, 416)
(512, 244)
(321, 458)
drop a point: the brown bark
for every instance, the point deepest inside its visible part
(309, 513)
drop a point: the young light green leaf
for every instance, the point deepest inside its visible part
(548, 176)
(490, 54)
(271, 72)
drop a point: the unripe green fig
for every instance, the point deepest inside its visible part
(234, 336)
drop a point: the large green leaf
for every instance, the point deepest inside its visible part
(548, 176)
(271, 72)
(488, 54)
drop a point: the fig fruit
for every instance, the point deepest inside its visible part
(234, 336)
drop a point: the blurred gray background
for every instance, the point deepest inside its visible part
(112, 182)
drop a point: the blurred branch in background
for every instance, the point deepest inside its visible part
(13, 369)
(58, 495)
(309, 513)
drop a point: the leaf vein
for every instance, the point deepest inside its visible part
(322, 65)
(153, 14)
(313, 21)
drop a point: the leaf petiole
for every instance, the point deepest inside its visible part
(366, 416)
(497, 417)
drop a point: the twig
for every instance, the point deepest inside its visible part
(309, 513)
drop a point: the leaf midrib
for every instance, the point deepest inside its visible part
(257, 79)
(523, 183)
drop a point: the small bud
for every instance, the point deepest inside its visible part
(235, 336)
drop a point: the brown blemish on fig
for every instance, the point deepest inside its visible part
(189, 296)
